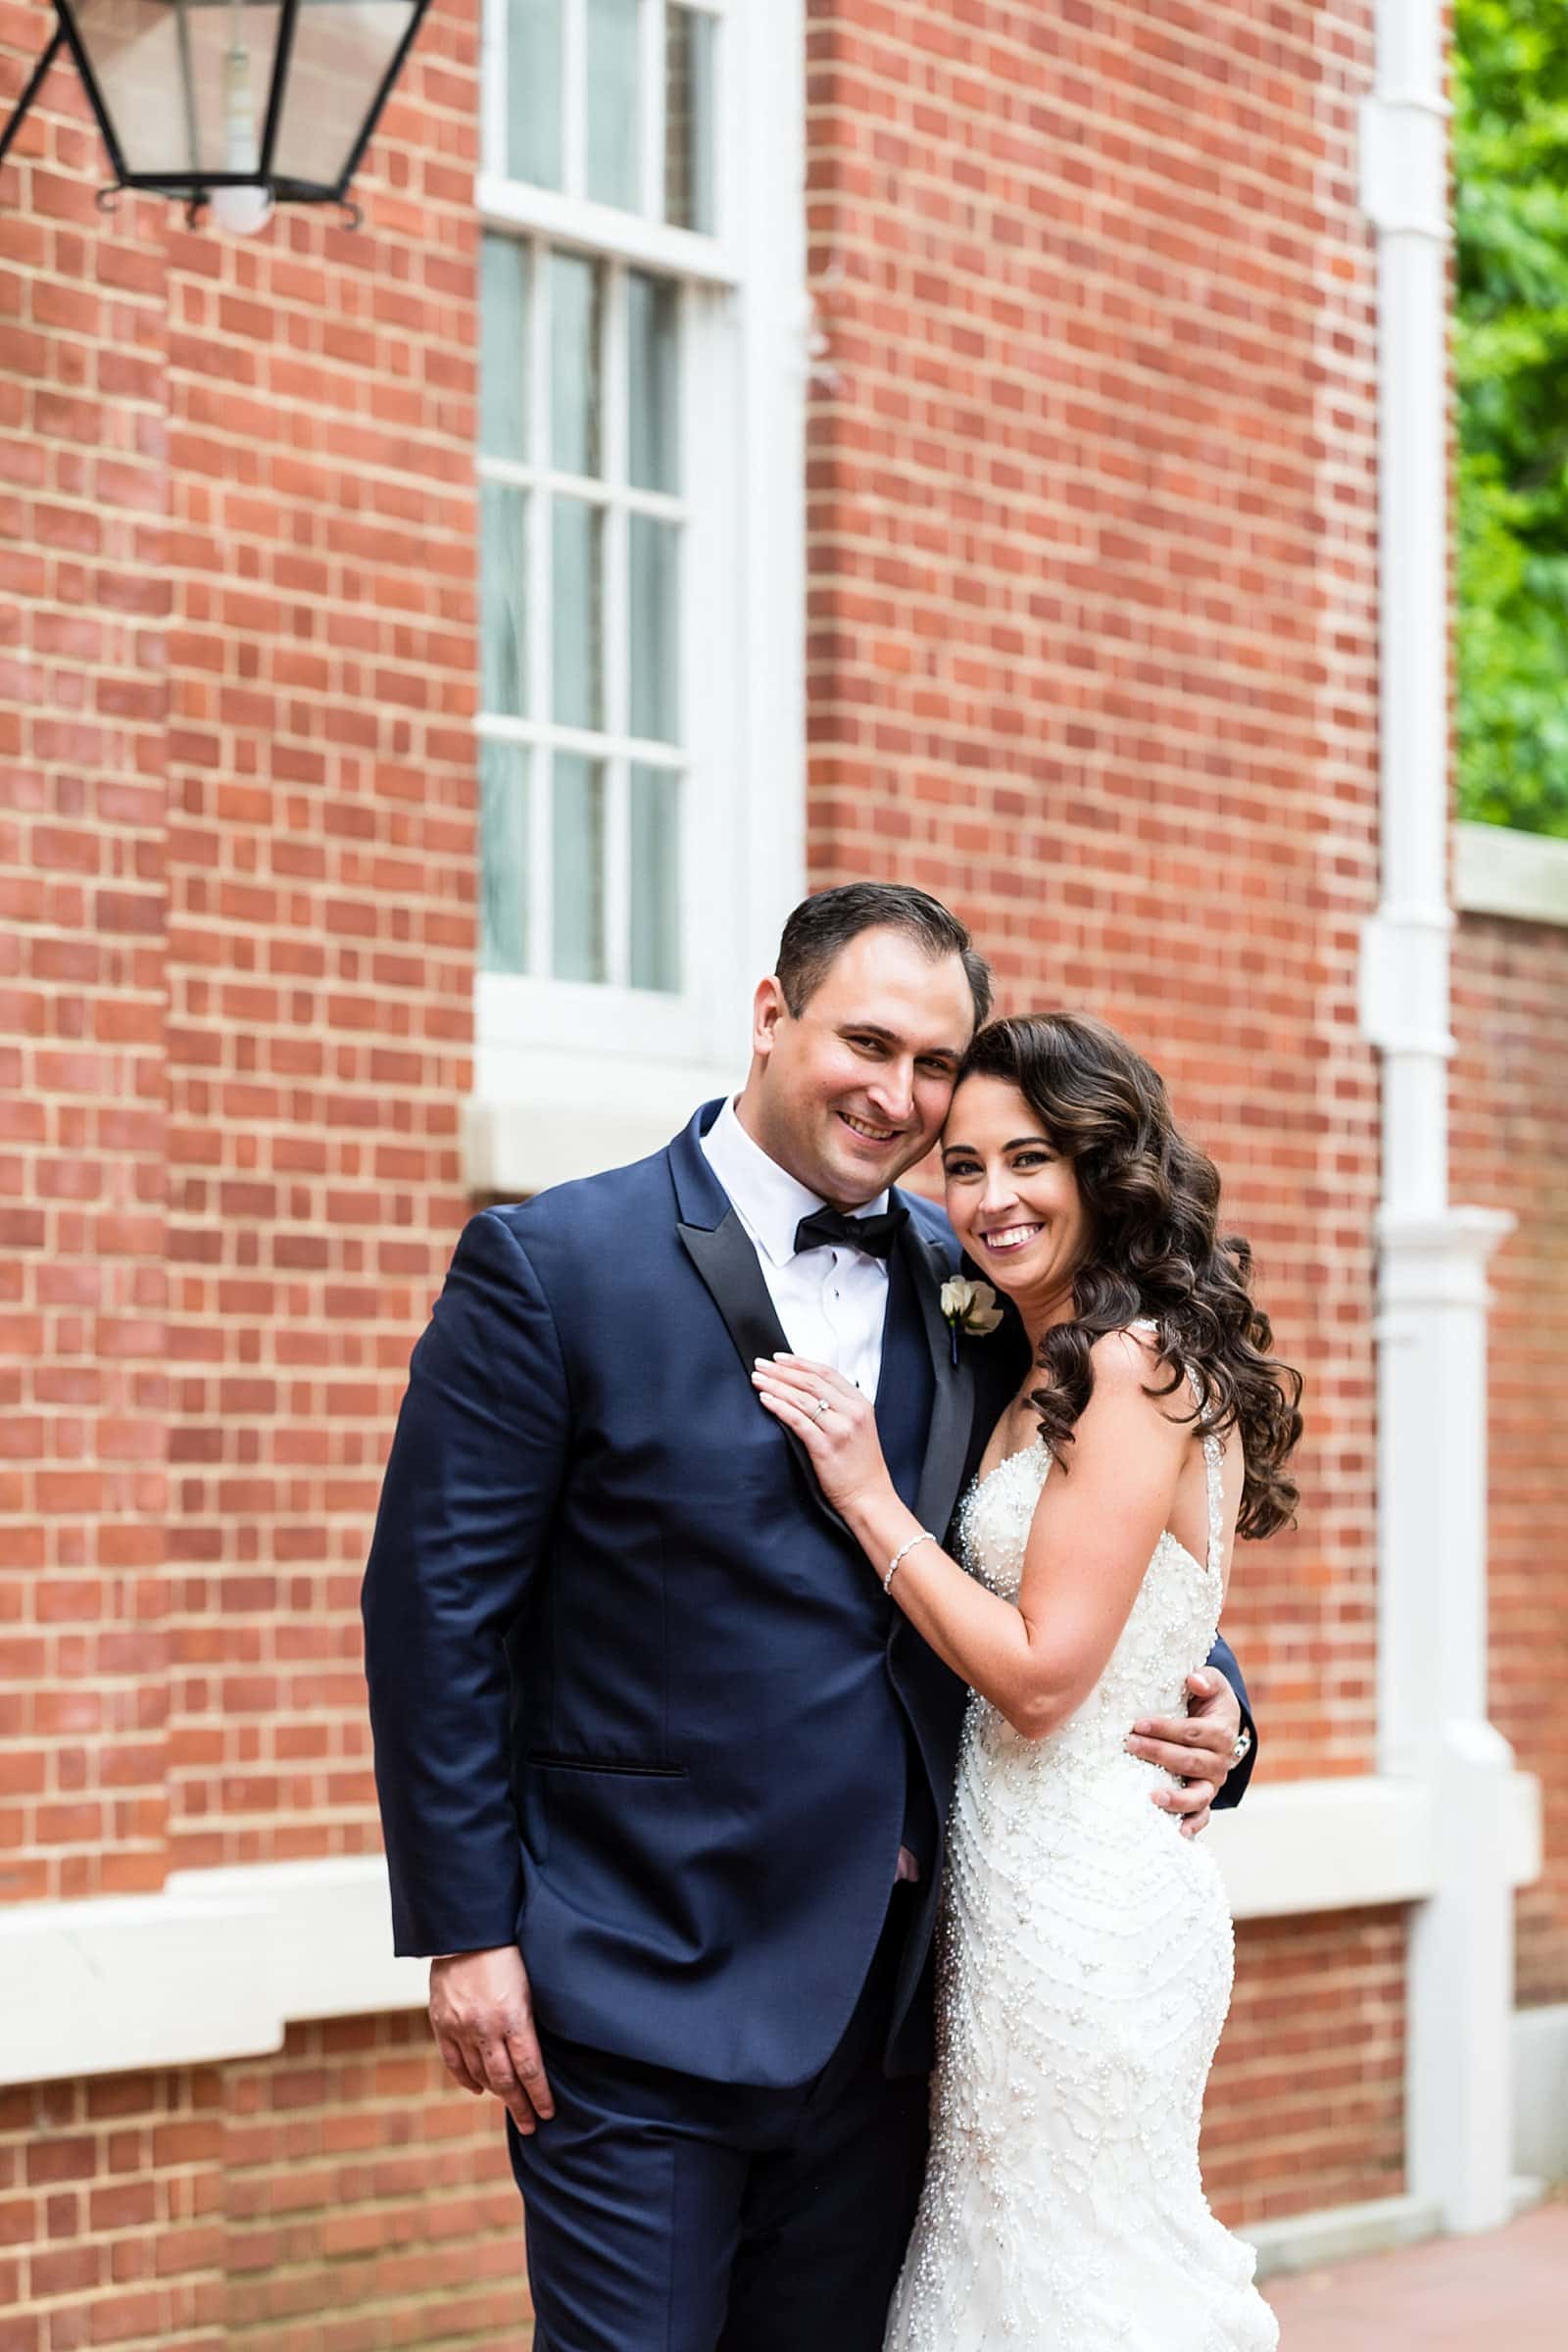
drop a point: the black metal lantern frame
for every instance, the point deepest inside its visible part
(173, 105)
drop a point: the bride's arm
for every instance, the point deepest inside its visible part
(1099, 1519)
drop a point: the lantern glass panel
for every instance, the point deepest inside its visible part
(184, 87)
(186, 84)
(342, 53)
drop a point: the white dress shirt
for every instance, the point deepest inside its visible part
(832, 1301)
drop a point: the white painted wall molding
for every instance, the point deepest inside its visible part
(1540, 2091)
(220, 1963)
(1347, 1844)
(1305, 2241)
(134, 1981)
(1497, 870)
(215, 1966)
(555, 1117)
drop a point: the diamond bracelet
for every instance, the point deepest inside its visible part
(924, 1537)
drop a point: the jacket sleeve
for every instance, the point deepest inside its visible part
(477, 1466)
(1234, 1787)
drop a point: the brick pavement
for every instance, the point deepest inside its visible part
(1509, 2288)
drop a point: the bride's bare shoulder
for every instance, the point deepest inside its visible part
(1128, 1364)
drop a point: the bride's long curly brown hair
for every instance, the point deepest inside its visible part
(1154, 1250)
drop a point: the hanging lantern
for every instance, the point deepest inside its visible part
(233, 104)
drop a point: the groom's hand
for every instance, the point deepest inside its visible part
(1195, 1748)
(481, 2012)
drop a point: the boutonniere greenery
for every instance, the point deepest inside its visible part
(970, 1307)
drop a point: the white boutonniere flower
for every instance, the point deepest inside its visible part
(970, 1307)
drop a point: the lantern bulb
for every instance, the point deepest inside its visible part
(241, 210)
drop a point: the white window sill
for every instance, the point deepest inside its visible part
(543, 1115)
(1499, 871)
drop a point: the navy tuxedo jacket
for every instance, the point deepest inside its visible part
(639, 1701)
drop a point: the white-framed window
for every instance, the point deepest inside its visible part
(641, 494)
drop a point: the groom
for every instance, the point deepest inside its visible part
(663, 1772)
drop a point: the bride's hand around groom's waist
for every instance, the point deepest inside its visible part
(481, 2013)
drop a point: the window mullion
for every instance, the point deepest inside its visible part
(541, 853)
(617, 685)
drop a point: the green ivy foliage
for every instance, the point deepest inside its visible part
(1511, 361)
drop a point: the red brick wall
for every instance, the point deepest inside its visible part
(331, 2199)
(1310, 2081)
(1510, 1151)
(237, 665)
(239, 948)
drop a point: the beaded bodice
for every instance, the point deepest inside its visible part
(1169, 1631)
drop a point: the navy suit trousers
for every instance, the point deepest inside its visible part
(669, 2214)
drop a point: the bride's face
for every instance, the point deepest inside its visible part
(1013, 1198)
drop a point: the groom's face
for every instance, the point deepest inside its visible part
(854, 1089)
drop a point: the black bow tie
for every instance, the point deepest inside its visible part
(827, 1228)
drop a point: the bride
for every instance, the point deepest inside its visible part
(1087, 1944)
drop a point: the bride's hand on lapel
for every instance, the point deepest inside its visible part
(834, 1422)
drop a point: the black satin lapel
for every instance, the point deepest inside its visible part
(952, 1408)
(725, 1258)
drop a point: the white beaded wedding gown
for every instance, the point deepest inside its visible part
(1085, 1964)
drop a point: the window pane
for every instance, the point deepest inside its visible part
(653, 557)
(534, 91)
(503, 349)
(655, 878)
(613, 101)
(652, 422)
(503, 572)
(575, 543)
(574, 340)
(503, 857)
(577, 838)
(690, 36)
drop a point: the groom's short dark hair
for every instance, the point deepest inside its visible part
(823, 926)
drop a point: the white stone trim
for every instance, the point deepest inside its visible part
(1345, 1844)
(1540, 2091)
(1325, 1846)
(222, 1961)
(1497, 870)
(215, 1966)
(134, 1981)
(568, 1115)
(1305, 2241)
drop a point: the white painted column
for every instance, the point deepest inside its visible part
(1432, 1402)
